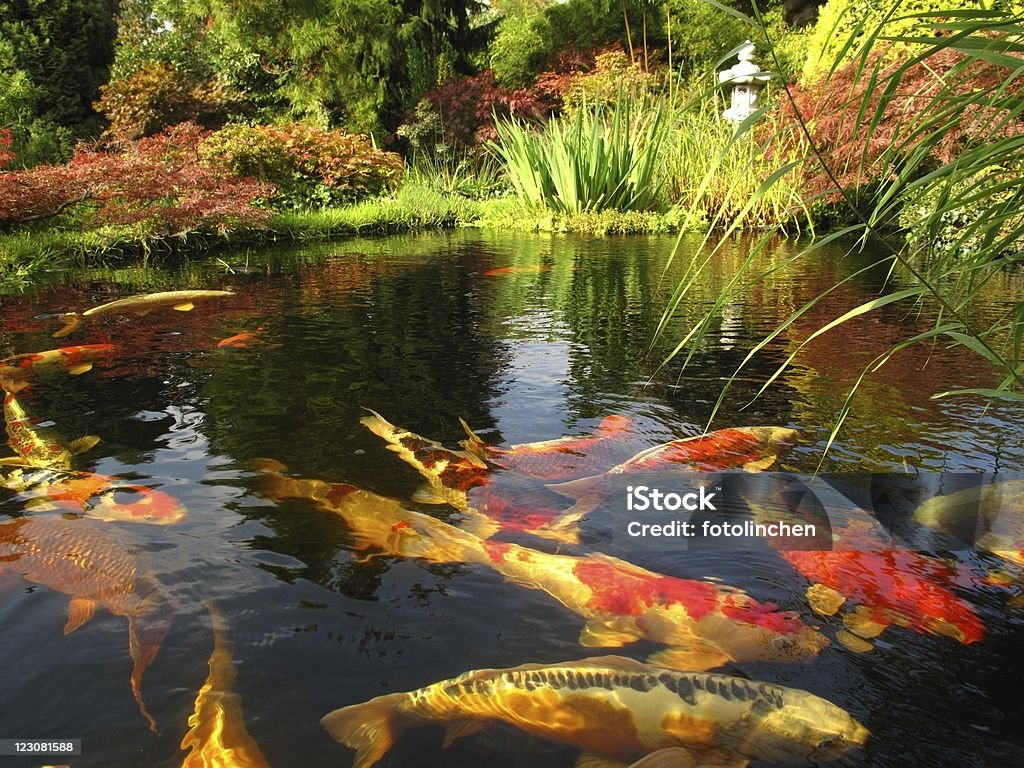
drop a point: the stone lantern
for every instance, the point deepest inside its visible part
(746, 80)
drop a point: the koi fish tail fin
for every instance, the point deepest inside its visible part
(145, 634)
(71, 322)
(473, 442)
(370, 728)
(380, 426)
(583, 488)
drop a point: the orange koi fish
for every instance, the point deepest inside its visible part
(997, 511)
(887, 585)
(614, 709)
(704, 624)
(240, 340)
(36, 445)
(523, 269)
(81, 558)
(90, 495)
(17, 372)
(217, 737)
(183, 301)
(749, 448)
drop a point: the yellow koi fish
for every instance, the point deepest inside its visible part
(217, 737)
(704, 624)
(36, 445)
(615, 710)
(183, 301)
(83, 559)
(17, 372)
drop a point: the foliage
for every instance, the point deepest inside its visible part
(701, 35)
(465, 174)
(158, 95)
(588, 162)
(958, 153)
(60, 51)
(6, 142)
(310, 167)
(613, 76)
(859, 152)
(843, 25)
(518, 52)
(156, 183)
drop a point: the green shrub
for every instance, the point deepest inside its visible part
(311, 167)
(702, 34)
(519, 51)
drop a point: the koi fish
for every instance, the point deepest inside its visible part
(36, 445)
(467, 480)
(749, 448)
(704, 624)
(142, 305)
(217, 737)
(376, 522)
(90, 495)
(523, 269)
(82, 559)
(887, 585)
(614, 709)
(995, 513)
(239, 340)
(562, 458)
(449, 473)
(16, 372)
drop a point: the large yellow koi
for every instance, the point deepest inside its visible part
(183, 301)
(616, 710)
(83, 559)
(217, 737)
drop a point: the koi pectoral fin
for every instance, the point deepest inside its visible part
(852, 642)
(824, 600)
(862, 622)
(597, 635)
(696, 658)
(459, 728)
(80, 611)
(78, 370)
(188, 306)
(672, 757)
(82, 444)
(565, 527)
(587, 760)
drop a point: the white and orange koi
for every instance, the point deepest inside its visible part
(90, 495)
(36, 445)
(217, 737)
(615, 710)
(17, 372)
(749, 448)
(142, 305)
(83, 559)
(704, 624)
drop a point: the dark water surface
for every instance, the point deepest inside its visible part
(415, 329)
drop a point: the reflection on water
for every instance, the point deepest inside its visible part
(426, 330)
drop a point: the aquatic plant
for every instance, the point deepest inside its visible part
(978, 170)
(591, 161)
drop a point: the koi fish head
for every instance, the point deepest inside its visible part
(134, 504)
(791, 723)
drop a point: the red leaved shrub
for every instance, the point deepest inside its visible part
(6, 141)
(857, 152)
(158, 183)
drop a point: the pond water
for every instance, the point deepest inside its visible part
(417, 329)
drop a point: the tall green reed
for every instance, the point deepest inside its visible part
(977, 176)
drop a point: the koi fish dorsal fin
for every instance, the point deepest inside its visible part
(80, 611)
(71, 322)
(370, 728)
(473, 442)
